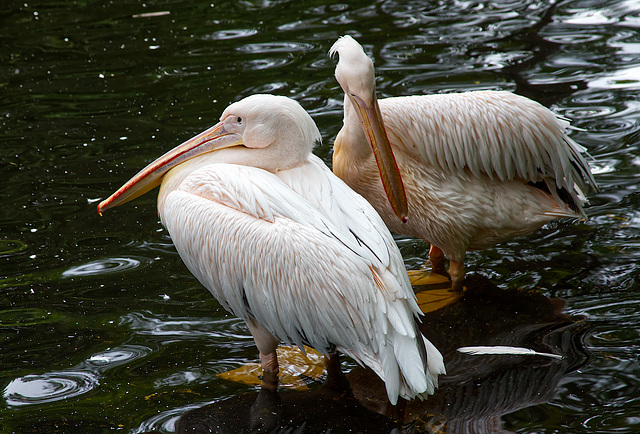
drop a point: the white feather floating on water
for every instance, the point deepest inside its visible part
(502, 349)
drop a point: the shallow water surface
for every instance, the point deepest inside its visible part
(103, 329)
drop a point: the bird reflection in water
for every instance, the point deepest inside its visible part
(474, 395)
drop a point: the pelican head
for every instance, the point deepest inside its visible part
(265, 131)
(356, 75)
(355, 72)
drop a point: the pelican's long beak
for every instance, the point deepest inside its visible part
(371, 120)
(213, 139)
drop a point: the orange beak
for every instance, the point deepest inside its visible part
(371, 120)
(213, 139)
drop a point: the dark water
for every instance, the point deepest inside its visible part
(103, 329)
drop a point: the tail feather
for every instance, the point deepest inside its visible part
(398, 352)
(391, 372)
(436, 363)
(412, 366)
(419, 364)
(408, 366)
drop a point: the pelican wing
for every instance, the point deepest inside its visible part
(496, 134)
(267, 254)
(347, 210)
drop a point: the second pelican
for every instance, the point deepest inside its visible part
(463, 171)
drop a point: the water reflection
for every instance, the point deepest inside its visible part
(477, 399)
(474, 395)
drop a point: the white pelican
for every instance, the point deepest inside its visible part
(478, 168)
(285, 245)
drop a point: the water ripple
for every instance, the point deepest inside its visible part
(105, 266)
(164, 421)
(220, 330)
(20, 317)
(276, 47)
(230, 34)
(602, 166)
(49, 387)
(611, 307)
(11, 247)
(590, 17)
(573, 37)
(180, 378)
(628, 78)
(118, 356)
(266, 63)
(592, 111)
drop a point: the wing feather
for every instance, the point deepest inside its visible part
(351, 213)
(492, 133)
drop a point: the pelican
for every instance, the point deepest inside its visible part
(284, 244)
(463, 171)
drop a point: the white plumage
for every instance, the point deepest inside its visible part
(284, 244)
(477, 168)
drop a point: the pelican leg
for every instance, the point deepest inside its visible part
(267, 345)
(336, 379)
(270, 371)
(456, 271)
(437, 273)
(436, 256)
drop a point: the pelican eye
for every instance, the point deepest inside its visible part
(239, 120)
